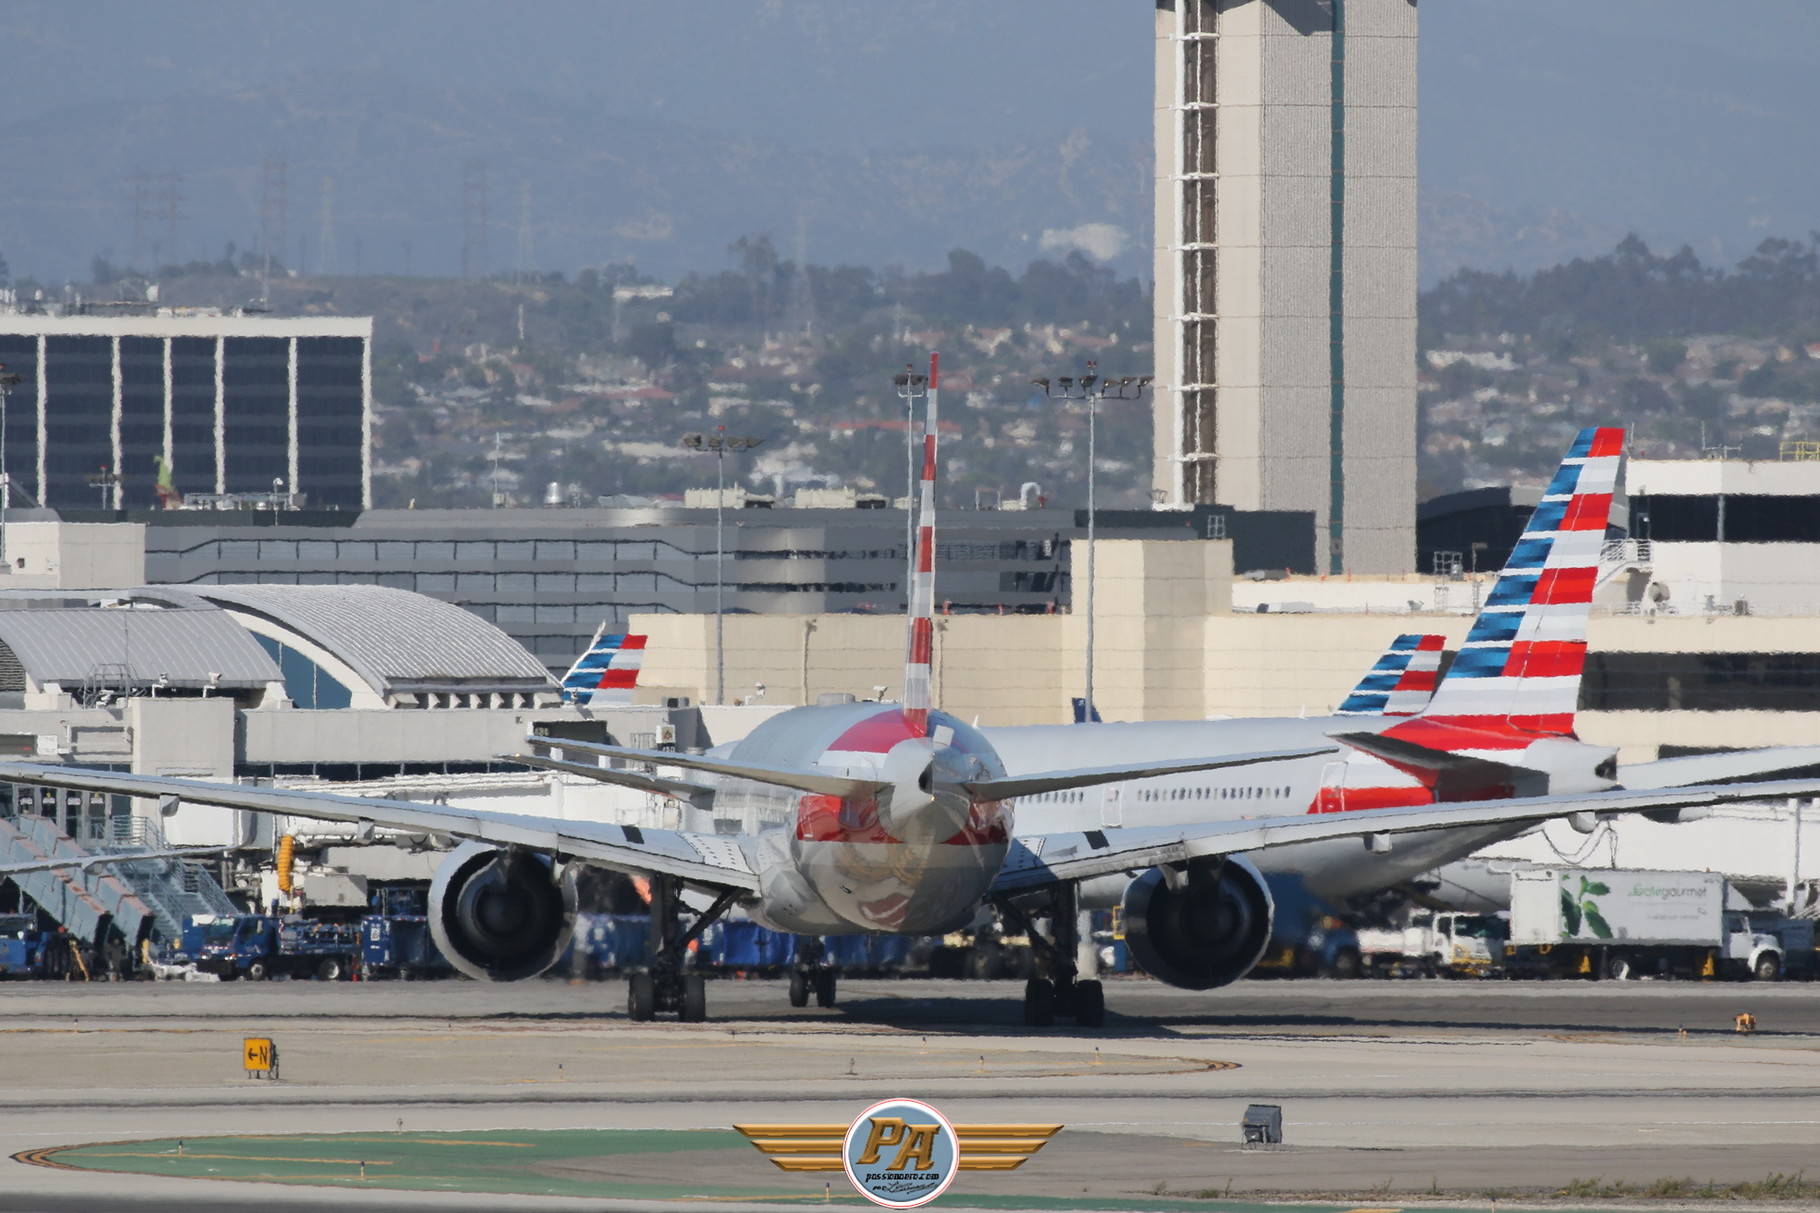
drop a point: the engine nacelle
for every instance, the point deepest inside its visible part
(1207, 931)
(500, 915)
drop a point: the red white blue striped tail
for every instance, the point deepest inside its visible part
(917, 700)
(1402, 681)
(607, 672)
(1519, 669)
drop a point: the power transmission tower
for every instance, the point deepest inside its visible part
(524, 230)
(142, 213)
(799, 304)
(325, 243)
(274, 219)
(170, 214)
(474, 219)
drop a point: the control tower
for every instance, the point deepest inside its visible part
(1286, 266)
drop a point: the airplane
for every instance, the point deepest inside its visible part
(1500, 724)
(870, 817)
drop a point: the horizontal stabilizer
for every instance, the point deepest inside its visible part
(1455, 776)
(1732, 766)
(784, 777)
(681, 789)
(1087, 777)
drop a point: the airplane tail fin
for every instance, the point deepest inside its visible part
(607, 672)
(922, 584)
(1402, 681)
(1519, 669)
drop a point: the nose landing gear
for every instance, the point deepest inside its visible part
(810, 974)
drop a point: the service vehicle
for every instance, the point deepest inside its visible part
(1436, 944)
(1620, 923)
(258, 946)
(399, 945)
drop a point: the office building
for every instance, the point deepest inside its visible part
(232, 403)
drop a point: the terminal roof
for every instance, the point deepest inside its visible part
(396, 640)
(71, 646)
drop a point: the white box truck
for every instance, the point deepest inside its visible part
(1619, 923)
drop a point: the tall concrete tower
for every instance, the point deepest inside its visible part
(1286, 266)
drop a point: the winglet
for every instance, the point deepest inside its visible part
(922, 585)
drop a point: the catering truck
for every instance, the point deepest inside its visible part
(1618, 923)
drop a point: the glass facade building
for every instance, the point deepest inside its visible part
(233, 403)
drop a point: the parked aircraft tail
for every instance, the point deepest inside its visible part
(1519, 670)
(1403, 680)
(607, 672)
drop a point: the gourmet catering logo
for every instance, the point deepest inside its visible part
(900, 1153)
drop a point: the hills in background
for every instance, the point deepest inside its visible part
(662, 134)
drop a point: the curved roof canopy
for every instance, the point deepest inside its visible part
(398, 641)
(184, 648)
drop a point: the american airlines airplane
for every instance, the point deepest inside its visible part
(867, 817)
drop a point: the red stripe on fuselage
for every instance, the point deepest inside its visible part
(1347, 800)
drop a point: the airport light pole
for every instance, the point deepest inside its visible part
(718, 444)
(911, 387)
(8, 381)
(1092, 388)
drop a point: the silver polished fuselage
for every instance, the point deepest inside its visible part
(828, 864)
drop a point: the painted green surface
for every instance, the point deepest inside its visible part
(508, 1162)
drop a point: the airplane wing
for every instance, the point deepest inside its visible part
(1086, 777)
(682, 789)
(101, 861)
(783, 777)
(703, 858)
(1046, 859)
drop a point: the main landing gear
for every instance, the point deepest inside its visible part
(662, 985)
(1056, 989)
(810, 974)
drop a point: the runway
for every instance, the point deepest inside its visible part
(1391, 1091)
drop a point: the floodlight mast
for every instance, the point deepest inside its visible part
(718, 444)
(1092, 388)
(8, 381)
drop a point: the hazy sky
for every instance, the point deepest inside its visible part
(1687, 119)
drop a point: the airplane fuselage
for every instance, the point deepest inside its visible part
(1346, 779)
(830, 864)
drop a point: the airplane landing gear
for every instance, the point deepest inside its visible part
(662, 985)
(1057, 989)
(810, 974)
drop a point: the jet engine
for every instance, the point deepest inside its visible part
(1204, 928)
(501, 914)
